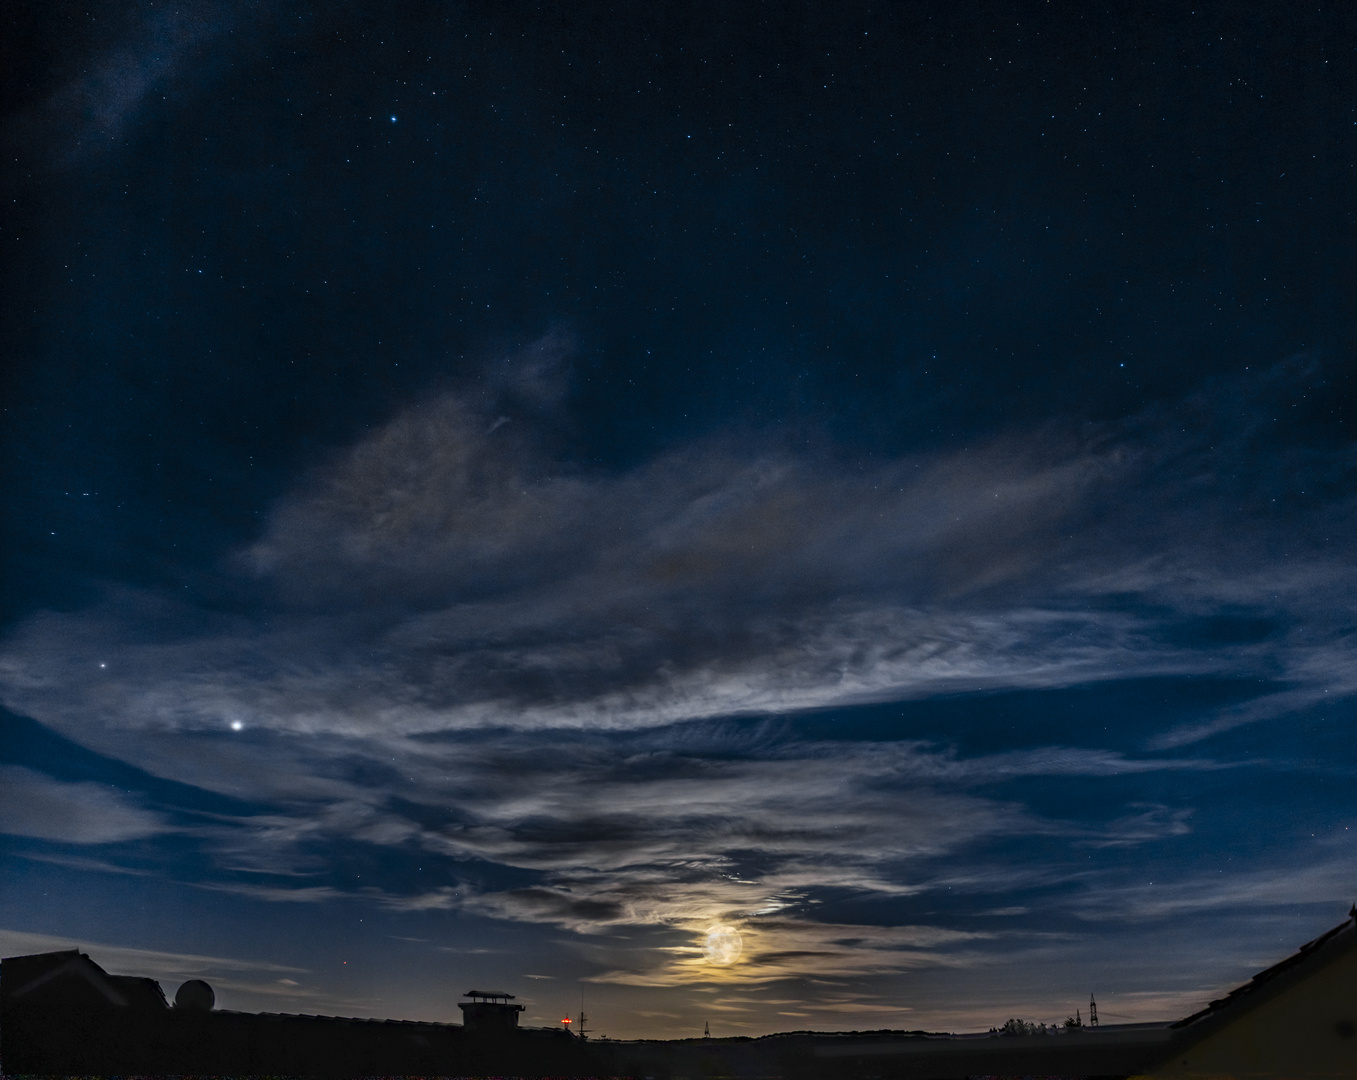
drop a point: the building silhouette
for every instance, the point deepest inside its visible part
(489, 1011)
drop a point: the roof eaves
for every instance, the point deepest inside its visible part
(1240, 996)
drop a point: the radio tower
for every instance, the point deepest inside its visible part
(1092, 1012)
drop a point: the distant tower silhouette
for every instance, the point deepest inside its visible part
(489, 1010)
(1092, 1012)
(706, 1029)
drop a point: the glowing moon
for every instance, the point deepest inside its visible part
(722, 946)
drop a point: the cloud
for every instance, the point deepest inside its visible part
(630, 838)
(778, 949)
(1326, 881)
(1327, 674)
(441, 576)
(121, 62)
(1147, 823)
(36, 805)
(303, 894)
(79, 862)
(450, 643)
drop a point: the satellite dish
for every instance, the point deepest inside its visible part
(195, 996)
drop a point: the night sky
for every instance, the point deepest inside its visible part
(784, 515)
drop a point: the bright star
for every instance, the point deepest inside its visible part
(236, 725)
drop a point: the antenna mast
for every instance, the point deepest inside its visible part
(1092, 1012)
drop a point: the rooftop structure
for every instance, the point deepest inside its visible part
(489, 1011)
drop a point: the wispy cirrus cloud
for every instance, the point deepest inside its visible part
(441, 575)
(36, 805)
(446, 642)
(1326, 880)
(777, 949)
(119, 64)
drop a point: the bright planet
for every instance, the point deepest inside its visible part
(722, 946)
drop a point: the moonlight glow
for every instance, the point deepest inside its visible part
(722, 946)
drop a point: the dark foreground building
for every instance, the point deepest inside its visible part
(60, 1013)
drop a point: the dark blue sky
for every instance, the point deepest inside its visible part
(542, 495)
